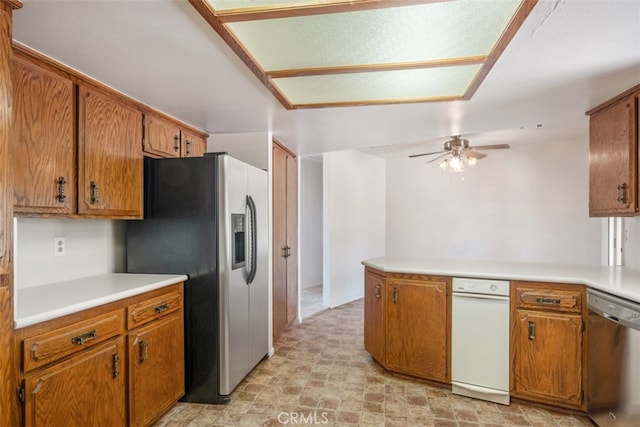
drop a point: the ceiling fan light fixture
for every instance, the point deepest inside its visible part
(471, 161)
(443, 164)
(456, 165)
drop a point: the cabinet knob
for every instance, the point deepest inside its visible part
(378, 289)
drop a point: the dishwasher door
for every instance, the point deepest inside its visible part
(480, 346)
(613, 360)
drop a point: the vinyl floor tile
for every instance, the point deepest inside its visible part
(321, 375)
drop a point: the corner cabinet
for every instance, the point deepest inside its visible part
(109, 156)
(548, 342)
(374, 316)
(613, 156)
(399, 310)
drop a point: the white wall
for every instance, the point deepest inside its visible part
(529, 203)
(310, 223)
(632, 242)
(246, 146)
(92, 247)
(353, 221)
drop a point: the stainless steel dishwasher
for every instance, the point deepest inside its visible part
(613, 360)
(480, 339)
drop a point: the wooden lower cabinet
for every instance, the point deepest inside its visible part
(87, 389)
(418, 322)
(85, 369)
(374, 319)
(548, 344)
(156, 368)
(408, 323)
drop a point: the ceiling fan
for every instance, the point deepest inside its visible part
(456, 150)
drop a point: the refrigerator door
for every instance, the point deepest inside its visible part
(234, 291)
(259, 287)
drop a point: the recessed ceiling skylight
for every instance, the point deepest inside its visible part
(324, 53)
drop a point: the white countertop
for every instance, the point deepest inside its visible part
(620, 281)
(46, 302)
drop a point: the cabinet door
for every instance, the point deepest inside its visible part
(374, 333)
(110, 156)
(156, 368)
(86, 390)
(44, 147)
(161, 137)
(193, 145)
(613, 160)
(418, 324)
(548, 357)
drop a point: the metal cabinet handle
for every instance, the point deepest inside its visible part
(622, 193)
(378, 289)
(532, 330)
(143, 354)
(114, 365)
(176, 142)
(188, 147)
(162, 307)
(94, 192)
(395, 295)
(81, 339)
(286, 251)
(61, 197)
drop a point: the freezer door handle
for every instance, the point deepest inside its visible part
(251, 247)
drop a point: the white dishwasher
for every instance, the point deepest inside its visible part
(480, 339)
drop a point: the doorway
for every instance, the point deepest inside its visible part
(311, 236)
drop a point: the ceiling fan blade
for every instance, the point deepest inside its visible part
(439, 157)
(491, 147)
(475, 154)
(427, 154)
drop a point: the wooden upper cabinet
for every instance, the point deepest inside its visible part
(43, 138)
(193, 145)
(166, 138)
(161, 137)
(109, 156)
(613, 158)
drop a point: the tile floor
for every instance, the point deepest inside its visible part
(320, 375)
(311, 301)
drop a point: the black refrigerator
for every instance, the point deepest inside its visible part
(207, 217)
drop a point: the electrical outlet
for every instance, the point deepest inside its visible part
(59, 246)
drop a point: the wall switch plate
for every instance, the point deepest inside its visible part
(59, 246)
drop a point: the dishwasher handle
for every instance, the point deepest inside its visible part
(480, 296)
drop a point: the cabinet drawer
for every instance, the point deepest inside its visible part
(146, 311)
(50, 346)
(563, 300)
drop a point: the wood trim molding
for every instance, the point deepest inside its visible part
(257, 13)
(13, 4)
(283, 147)
(24, 52)
(378, 102)
(629, 92)
(471, 60)
(518, 19)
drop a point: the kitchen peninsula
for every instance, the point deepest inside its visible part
(408, 320)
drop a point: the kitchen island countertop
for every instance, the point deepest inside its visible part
(620, 281)
(41, 303)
